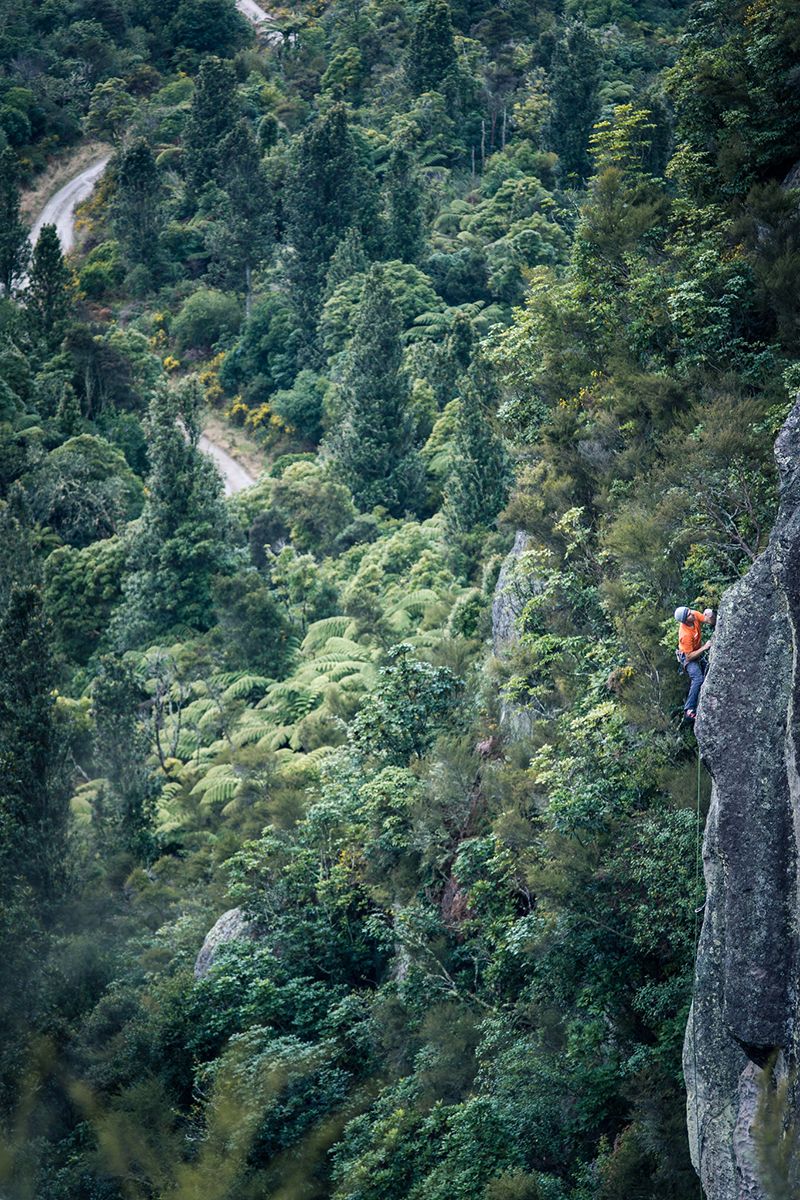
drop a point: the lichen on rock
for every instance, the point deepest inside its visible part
(745, 1018)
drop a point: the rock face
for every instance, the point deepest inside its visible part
(509, 598)
(746, 1005)
(514, 587)
(232, 926)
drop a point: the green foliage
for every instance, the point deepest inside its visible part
(468, 879)
(263, 358)
(240, 237)
(432, 53)
(182, 539)
(206, 317)
(81, 589)
(14, 245)
(478, 485)
(85, 490)
(412, 704)
(574, 99)
(373, 449)
(33, 807)
(110, 109)
(137, 210)
(411, 292)
(211, 118)
(301, 406)
(404, 208)
(207, 26)
(46, 295)
(324, 198)
(252, 625)
(315, 506)
(120, 745)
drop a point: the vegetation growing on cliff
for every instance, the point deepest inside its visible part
(456, 270)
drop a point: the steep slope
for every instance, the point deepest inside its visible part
(746, 1016)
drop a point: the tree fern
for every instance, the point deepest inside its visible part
(277, 738)
(321, 632)
(291, 700)
(197, 709)
(252, 728)
(83, 799)
(220, 792)
(246, 685)
(416, 601)
(188, 744)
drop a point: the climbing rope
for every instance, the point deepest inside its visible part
(698, 866)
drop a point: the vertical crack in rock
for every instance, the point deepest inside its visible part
(745, 1006)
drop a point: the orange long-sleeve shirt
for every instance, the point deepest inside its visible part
(690, 637)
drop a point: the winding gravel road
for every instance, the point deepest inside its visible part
(234, 475)
(60, 208)
(60, 211)
(258, 16)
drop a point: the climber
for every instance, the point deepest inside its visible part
(690, 651)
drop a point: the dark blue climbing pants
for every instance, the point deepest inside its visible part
(695, 672)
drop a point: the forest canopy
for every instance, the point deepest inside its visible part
(498, 307)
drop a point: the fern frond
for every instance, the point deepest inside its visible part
(246, 685)
(415, 601)
(188, 744)
(170, 791)
(320, 632)
(277, 739)
(288, 699)
(209, 722)
(195, 711)
(251, 730)
(213, 776)
(219, 793)
(345, 645)
(320, 753)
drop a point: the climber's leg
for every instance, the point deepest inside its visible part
(695, 673)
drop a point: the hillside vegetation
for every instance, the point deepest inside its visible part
(458, 270)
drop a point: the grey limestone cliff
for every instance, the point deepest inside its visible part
(745, 1020)
(515, 586)
(232, 926)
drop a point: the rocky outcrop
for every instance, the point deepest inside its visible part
(514, 588)
(510, 594)
(745, 1020)
(232, 926)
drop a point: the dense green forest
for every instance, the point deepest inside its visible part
(456, 271)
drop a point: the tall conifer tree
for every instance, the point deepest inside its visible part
(137, 208)
(14, 244)
(574, 87)
(432, 53)
(211, 118)
(242, 234)
(34, 792)
(121, 748)
(322, 201)
(403, 208)
(183, 537)
(47, 297)
(478, 485)
(373, 450)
